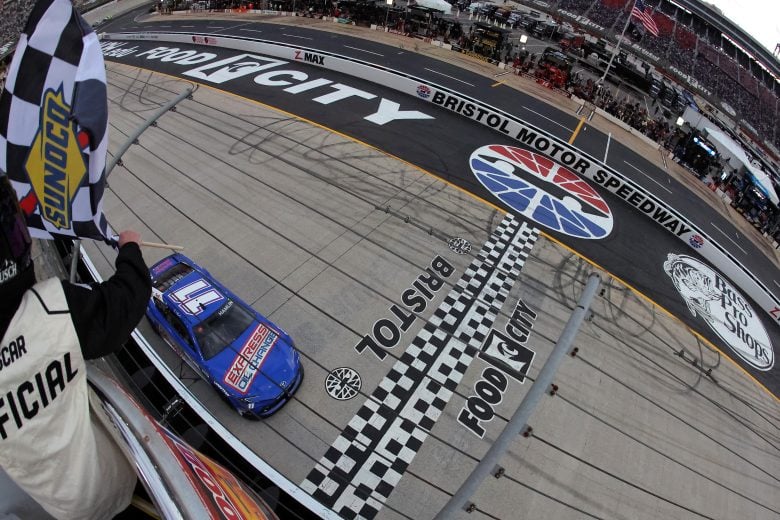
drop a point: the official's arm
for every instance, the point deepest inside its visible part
(105, 314)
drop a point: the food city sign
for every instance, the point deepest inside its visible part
(215, 68)
(725, 310)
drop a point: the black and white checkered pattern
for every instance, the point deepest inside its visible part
(366, 462)
(57, 51)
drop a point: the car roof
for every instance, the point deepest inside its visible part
(193, 296)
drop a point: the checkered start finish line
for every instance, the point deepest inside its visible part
(367, 460)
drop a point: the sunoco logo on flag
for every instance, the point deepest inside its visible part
(55, 165)
(53, 124)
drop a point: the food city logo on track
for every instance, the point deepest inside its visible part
(56, 165)
(542, 190)
(725, 310)
(221, 67)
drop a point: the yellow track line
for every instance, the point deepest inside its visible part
(577, 130)
(483, 201)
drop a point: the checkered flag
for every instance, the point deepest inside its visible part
(54, 124)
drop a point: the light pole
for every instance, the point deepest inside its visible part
(388, 3)
(617, 47)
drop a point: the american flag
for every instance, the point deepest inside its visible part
(54, 124)
(645, 16)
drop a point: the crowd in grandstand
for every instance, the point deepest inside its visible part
(15, 14)
(690, 47)
(630, 112)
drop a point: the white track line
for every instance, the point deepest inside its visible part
(728, 238)
(646, 175)
(547, 118)
(363, 50)
(446, 76)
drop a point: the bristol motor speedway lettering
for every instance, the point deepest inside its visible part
(268, 72)
(386, 332)
(568, 156)
(247, 363)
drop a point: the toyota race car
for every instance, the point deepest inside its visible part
(250, 361)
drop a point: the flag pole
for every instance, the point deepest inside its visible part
(617, 47)
(162, 246)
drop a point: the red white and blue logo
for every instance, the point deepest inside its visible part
(542, 190)
(696, 241)
(424, 91)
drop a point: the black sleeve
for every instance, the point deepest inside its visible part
(105, 314)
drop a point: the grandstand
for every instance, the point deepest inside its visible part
(14, 15)
(704, 51)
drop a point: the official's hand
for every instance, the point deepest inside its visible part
(127, 236)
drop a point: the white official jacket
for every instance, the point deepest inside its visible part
(50, 443)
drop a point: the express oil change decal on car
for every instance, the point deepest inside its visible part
(247, 363)
(542, 190)
(725, 310)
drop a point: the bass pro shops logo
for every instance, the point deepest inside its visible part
(708, 295)
(56, 165)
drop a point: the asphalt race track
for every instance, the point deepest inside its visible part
(634, 251)
(351, 251)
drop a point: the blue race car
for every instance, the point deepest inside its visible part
(251, 362)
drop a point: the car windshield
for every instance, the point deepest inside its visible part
(222, 328)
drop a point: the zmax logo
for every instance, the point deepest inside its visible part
(56, 165)
(310, 58)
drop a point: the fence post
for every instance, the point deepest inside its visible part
(527, 406)
(117, 159)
